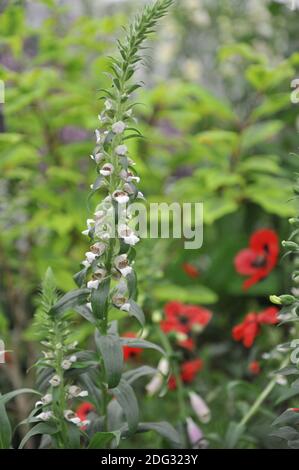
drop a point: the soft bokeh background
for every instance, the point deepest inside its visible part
(220, 128)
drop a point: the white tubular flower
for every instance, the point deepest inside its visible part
(108, 105)
(73, 358)
(133, 178)
(98, 249)
(118, 127)
(157, 381)
(125, 307)
(120, 196)
(99, 274)
(55, 381)
(128, 188)
(121, 263)
(90, 256)
(45, 416)
(128, 176)
(200, 408)
(107, 169)
(45, 400)
(194, 432)
(74, 392)
(66, 364)
(121, 150)
(72, 417)
(98, 136)
(93, 284)
(128, 235)
(119, 300)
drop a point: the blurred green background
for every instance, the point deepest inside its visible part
(220, 128)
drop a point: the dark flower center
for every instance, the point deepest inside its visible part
(259, 262)
(184, 320)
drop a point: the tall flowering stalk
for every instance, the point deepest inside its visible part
(106, 282)
(108, 274)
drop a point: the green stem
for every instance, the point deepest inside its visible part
(174, 364)
(261, 398)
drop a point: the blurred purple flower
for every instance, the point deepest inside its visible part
(194, 432)
(73, 134)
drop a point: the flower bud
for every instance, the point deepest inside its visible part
(199, 407)
(275, 299)
(118, 127)
(121, 150)
(290, 245)
(194, 432)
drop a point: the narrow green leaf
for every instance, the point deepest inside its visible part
(165, 430)
(136, 311)
(112, 354)
(70, 300)
(101, 440)
(86, 313)
(99, 299)
(125, 396)
(9, 396)
(132, 284)
(141, 343)
(40, 428)
(132, 375)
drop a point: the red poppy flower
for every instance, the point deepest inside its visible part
(260, 258)
(188, 372)
(248, 330)
(83, 410)
(129, 351)
(190, 270)
(182, 318)
(254, 367)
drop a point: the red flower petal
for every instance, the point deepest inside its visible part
(269, 316)
(83, 410)
(244, 262)
(189, 370)
(190, 270)
(254, 367)
(260, 258)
